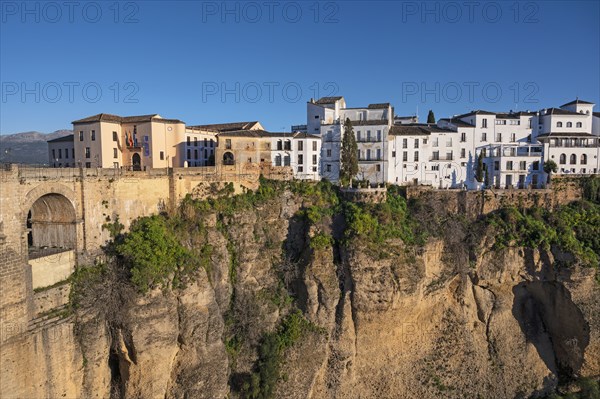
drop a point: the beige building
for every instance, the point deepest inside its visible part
(133, 142)
(201, 141)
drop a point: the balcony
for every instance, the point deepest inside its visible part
(370, 159)
(368, 140)
(442, 158)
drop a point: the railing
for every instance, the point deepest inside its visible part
(442, 158)
(368, 140)
(369, 159)
(228, 162)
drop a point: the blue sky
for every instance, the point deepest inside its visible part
(210, 62)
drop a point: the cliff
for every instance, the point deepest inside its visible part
(293, 292)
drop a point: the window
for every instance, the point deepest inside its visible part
(316, 116)
(579, 124)
(189, 154)
(87, 152)
(368, 135)
(522, 165)
(378, 168)
(379, 135)
(314, 159)
(496, 165)
(463, 153)
(205, 142)
(416, 143)
(59, 153)
(195, 154)
(498, 137)
(115, 137)
(583, 159)
(195, 141)
(393, 154)
(287, 145)
(435, 167)
(573, 159)
(558, 124)
(358, 135)
(483, 136)
(279, 145)
(88, 164)
(405, 156)
(368, 155)
(81, 135)
(189, 140)
(416, 156)
(435, 142)
(328, 168)
(115, 153)
(300, 145)
(277, 160)
(463, 137)
(569, 124)
(53, 154)
(329, 152)
(449, 142)
(513, 137)
(404, 143)
(300, 159)
(162, 155)
(484, 122)
(300, 169)
(424, 141)
(562, 159)
(449, 156)
(73, 153)
(435, 156)
(227, 144)
(205, 153)
(314, 145)
(93, 135)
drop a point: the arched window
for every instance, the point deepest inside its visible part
(569, 124)
(573, 159)
(563, 159)
(579, 124)
(228, 158)
(583, 159)
(558, 124)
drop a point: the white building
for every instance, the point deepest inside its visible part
(370, 124)
(299, 150)
(569, 138)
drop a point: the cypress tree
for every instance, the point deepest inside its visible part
(349, 154)
(430, 117)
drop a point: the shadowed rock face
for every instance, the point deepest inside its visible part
(553, 324)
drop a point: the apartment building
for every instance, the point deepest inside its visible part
(134, 142)
(61, 152)
(244, 149)
(370, 124)
(569, 138)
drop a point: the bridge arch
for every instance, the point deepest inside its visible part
(50, 218)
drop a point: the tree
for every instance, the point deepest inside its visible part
(349, 154)
(479, 171)
(430, 117)
(550, 167)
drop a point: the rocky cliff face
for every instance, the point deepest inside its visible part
(452, 318)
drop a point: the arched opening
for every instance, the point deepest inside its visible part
(51, 225)
(563, 159)
(583, 159)
(136, 162)
(228, 158)
(573, 159)
(51, 238)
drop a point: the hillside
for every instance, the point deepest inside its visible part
(28, 147)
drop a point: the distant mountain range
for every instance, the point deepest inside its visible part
(27, 147)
